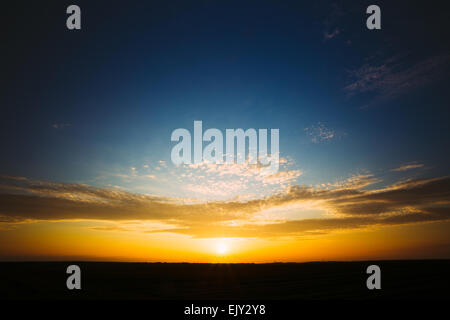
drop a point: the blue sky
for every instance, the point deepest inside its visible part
(87, 106)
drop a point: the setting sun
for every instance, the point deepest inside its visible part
(222, 248)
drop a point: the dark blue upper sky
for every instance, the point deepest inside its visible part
(77, 104)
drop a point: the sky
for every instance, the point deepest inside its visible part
(87, 116)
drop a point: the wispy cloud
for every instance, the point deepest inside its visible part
(356, 181)
(61, 125)
(229, 180)
(409, 166)
(392, 78)
(347, 206)
(205, 180)
(330, 29)
(330, 35)
(320, 133)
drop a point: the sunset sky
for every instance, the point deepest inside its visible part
(87, 116)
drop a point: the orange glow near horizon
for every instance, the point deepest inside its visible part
(342, 221)
(78, 241)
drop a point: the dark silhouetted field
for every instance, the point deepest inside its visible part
(317, 280)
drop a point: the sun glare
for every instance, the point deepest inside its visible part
(222, 248)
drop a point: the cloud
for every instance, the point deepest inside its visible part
(347, 205)
(410, 166)
(391, 78)
(320, 133)
(356, 181)
(162, 163)
(61, 125)
(330, 35)
(330, 30)
(217, 188)
(281, 177)
(228, 180)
